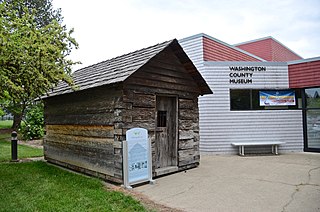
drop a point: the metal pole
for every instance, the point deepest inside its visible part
(14, 147)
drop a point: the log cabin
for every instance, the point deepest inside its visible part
(155, 88)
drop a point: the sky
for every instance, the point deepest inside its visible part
(108, 28)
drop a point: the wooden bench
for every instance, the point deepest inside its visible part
(274, 145)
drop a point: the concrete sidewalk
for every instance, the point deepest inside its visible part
(287, 182)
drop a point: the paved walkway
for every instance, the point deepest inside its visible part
(287, 182)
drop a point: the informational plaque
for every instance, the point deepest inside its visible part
(137, 161)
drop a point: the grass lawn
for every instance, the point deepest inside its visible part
(23, 151)
(36, 186)
(5, 124)
(5, 137)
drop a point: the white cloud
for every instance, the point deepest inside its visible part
(105, 29)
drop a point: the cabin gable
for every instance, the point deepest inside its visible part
(85, 128)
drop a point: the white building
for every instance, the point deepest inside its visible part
(235, 111)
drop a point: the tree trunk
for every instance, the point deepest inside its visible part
(17, 118)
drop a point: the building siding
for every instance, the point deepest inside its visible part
(306, 74)
(215, 51)
(219, 126)
(269, 49)
(193, 48)
(262, 49)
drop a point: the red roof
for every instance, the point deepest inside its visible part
(304, 73)
(215, 50)
(269, 49)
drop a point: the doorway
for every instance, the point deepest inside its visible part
(312, 119)
(166, 134)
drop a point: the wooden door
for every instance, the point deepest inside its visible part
(166, 132)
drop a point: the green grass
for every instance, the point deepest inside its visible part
(5, 137)
(36, 186)
(6, 124)
(23, 151)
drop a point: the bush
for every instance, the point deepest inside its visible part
(2, 113)
(33, 127)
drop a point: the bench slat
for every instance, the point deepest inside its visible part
(257, 143)
(274, 145)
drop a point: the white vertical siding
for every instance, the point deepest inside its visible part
(219, 126)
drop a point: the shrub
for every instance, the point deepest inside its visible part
(33, 126)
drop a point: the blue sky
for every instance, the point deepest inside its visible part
(105, 29)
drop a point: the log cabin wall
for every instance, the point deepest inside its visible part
(85, 129)
(81, 133)
(164, 75)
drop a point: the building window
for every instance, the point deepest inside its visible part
(162, 119)
(312, 118)
(250, 99)
(313, 97)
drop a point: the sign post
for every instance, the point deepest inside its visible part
(137, 158)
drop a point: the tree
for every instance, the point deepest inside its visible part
(44, 13)
(33, 58)
(33, 127)
(1, 112)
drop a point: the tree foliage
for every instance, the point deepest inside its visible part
(43, 10)
(33, 56)
(33, 126)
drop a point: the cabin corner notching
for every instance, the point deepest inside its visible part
(155, 88)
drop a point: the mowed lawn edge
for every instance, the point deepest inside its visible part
(23, 151)
(5, 124)
(37, 186)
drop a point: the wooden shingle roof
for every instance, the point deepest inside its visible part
(118, 69)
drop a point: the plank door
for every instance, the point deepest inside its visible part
(166, 132)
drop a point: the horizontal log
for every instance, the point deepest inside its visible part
(141, 114)
(186, 134)
(187, 144)
(191, 104)
(188, 153)
(119, 131)
(72, 109)
(91, 152)
(163, 85)
(123, 105)
(188, 125)
(81, 119)
(76, 153)
(186, 114)
(81, 130)
(96, 156)
(147, 124)
(119, 138)
(97, 93)
(160, 75)
(183, 167)
(117, 144)
(166, 70)
(79, 140)
(140, 100)
(118, 165)
(92, 99)
(188, 162)
(163, 91)
(105, 173)
(188, 157)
